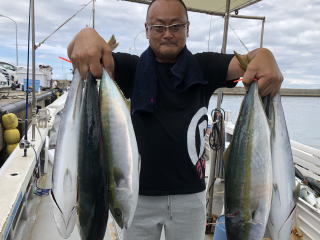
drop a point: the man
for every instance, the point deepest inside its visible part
(170, 89)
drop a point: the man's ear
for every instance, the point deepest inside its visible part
(188, 31)
(147, 31)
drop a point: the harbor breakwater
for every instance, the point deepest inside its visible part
(295, 92)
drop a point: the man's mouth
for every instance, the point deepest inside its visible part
(168, 44)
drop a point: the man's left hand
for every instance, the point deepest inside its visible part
(262, 68)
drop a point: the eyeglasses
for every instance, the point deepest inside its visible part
(173, 28)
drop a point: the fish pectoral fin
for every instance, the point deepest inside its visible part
(253, 214)
(55, 201)
(276, 192)
(118, 176)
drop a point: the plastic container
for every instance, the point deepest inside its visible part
(37, 84)
(220, 229)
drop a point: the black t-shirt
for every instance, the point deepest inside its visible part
(171, 138)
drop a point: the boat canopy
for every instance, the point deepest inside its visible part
(213, 7)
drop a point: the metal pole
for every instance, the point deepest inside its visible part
(17, 62)
(34, 103)
(212, 178)
(262, 32)
(93, 13)
(225, 29)
(17, 44)
(224, 43)
(247, 17)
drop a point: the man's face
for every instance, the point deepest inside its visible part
(167, 42)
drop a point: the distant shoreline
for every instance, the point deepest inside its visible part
(294, 92)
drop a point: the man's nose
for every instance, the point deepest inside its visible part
(167, 32)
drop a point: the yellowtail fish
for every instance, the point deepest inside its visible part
(284, 196)
(248, 177)
(92, 187)
(121, 152)
(64, 176)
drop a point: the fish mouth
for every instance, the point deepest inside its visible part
(65, 224)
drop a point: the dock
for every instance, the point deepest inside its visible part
(9, 100)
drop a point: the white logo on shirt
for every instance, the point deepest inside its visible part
(198, 123)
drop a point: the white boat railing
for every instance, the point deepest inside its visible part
(16, 188)
(306, 159)
(18, 203)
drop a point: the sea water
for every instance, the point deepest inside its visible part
(302, 116)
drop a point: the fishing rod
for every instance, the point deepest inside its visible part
(24, 144)
(34, 100)
(65, 22)
(93, 13)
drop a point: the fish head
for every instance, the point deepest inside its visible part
(247, 230)
(118, 216)
(285, 229)
(127, 205)
(65, 222)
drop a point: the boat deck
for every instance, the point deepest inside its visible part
(44, 221)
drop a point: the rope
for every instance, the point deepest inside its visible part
(209, 33)
(37, 190)
(235, 33)
(216, 143)
(215, 137)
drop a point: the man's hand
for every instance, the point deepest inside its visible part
(261, 67)
(90, 52)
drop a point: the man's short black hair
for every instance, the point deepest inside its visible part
(180, 1)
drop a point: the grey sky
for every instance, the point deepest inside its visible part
(292, 33)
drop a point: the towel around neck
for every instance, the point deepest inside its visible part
(186, 72)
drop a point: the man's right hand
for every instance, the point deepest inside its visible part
(90, 52)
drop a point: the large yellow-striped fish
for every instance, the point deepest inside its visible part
(122, 158)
